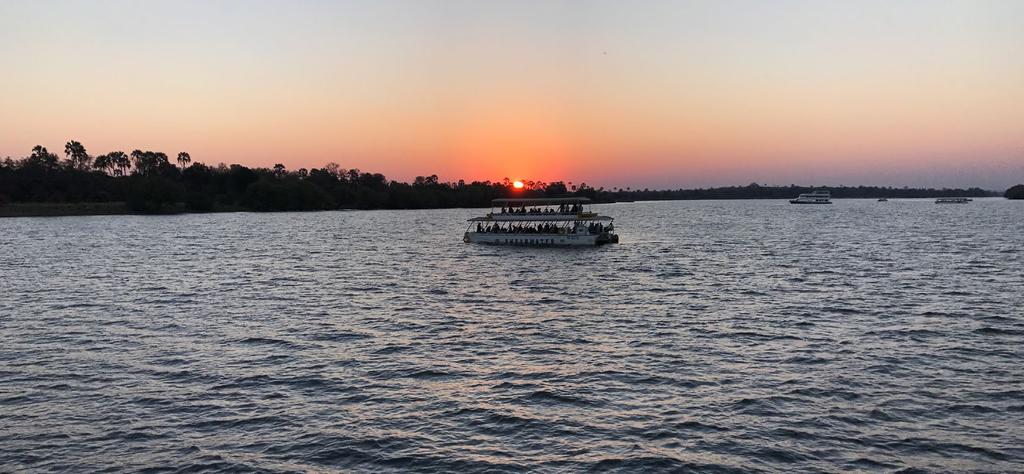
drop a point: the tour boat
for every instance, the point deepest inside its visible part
(817, 197)
(557, 222)
(953, 200)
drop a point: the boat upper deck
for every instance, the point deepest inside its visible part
(540, 217)
(540, 210)
(518, 202)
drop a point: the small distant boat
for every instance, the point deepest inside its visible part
(883, 199)
(817, 197)
(953, 200)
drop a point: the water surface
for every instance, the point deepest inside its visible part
(718, 336)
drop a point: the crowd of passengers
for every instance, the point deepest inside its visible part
(562, 209)
(592, 228)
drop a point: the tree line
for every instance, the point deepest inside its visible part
(1015, 192)
(150, 182)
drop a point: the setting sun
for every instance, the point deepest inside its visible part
(517, 185)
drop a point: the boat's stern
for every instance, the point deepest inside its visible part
(606, 238)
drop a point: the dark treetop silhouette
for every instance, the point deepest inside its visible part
(1015, 192)
(147, 182)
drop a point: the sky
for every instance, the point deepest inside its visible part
(658, 94)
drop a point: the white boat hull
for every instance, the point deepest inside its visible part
(540, 240)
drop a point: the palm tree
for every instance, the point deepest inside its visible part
(103, 163)
(78, 158)
(119, 160)
(184, 159)
(42, 157)
(139, 159)
(160, 160)
(113, 163)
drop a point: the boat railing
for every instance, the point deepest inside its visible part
(578, 215)
(563, 231)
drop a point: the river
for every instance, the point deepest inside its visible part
(717, 336)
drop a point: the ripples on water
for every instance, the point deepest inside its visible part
(747, 335)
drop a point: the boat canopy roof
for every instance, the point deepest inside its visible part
(540, 218)
(539, 201)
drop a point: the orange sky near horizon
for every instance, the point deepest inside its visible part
(666, 94)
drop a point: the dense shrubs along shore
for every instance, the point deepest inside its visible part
(1015, 192)
(152, 182)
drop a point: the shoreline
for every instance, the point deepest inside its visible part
(63, 209)
(120, 208)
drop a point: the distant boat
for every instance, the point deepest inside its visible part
(817, 197)
(883, 199)
(953, 200)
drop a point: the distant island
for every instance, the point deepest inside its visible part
(148, 182)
